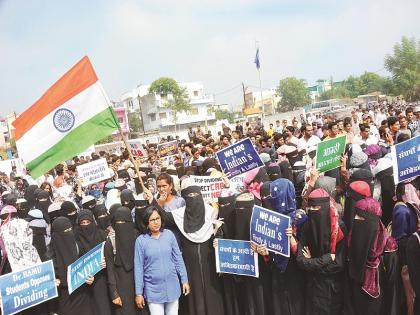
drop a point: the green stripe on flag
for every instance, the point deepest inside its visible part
(75, 142)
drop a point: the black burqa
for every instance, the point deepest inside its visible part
(255, 297)
(139, 208)
(102, 218)
(387, 194)
(39, 233)
(119, 256)
(65, 252)
(42, 203)
(69, 210)
(88, 236)
(30, 195)
(413, 263)
(230, 291)
(206, 297)
(127, 199)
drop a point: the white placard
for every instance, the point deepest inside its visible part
(94, 172)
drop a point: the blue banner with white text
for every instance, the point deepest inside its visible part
(239, 158)
(87, 265)
(26, 288)
(269, 228)
(406, 159)
(236, 257)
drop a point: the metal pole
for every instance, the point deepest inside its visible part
(141, 116)
(259, 79)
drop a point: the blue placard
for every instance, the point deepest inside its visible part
(236, 257)
(269, 228)
(406, 159)
(26, 288)
(87, 265)
(239, 158)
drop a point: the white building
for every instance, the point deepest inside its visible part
(156, 117)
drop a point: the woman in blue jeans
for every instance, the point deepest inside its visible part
(158, 267)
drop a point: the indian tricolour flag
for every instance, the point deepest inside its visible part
(72, 114)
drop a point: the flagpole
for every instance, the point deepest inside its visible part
(259, 79)
(130, 155)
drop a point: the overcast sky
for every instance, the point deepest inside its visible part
(135, 42)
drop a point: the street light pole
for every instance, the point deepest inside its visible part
(141, 116)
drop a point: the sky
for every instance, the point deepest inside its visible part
(133, 42)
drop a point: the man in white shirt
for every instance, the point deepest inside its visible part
(365, 137)
(308, 139)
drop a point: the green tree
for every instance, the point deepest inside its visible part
(107, 139)
(404, 64)
(221, 114)
(177, 100)
(134, 123)
(293, 93)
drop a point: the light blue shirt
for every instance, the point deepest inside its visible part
(157, 265)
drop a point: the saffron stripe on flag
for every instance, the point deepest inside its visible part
(75, 141)
(74, 81)
(44, 135)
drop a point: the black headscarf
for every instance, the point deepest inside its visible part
(362, 236)
(113, 209)
(194, 209)
(139, 207)
(127, 198)
(265, 195)
(39, 232)
(68, 207)
(30, 196)
(319, 226)
(88, 202)
(226, 211)
(88, 236)
(243, 212)
(273, 171)
(64, 245)
(124, 238)
(22, 208)
(102, 217)
(286, 170)
(43, 201)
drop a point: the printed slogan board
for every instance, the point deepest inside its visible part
(28, 287)
(87, 265)
(328, 154)
(236, 257)
(406, 159)
(211, 187)
(269, 228)
(239, 158)
(93, 172)
(136, 148)
(168, 148)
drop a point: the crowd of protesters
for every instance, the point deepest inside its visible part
(354, 237)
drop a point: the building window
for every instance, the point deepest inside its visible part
(162, 115)
(195, 93)
(153, 117)
(194, 111)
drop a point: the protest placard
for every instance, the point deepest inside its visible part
(87, 265)
(239, 158)
(26, 288)
(237, 183)
(236, 257)
(328, 154)
(269, 228)
(211, 187)
(94, 172)
(168, 148)
(136, 148)
(406, 159)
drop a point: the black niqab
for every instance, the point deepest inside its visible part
(127, 198)
(69, 210)
(88, 236)
(30, 196)
(194, 209)
(64, 245)
(362, 236)
(319, 225)
(124, 238)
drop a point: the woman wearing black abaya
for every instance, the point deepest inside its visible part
(372, 269)
(39, 232)
(227, 231)
(65, 251)
(413, 263)
(383, 172)
(102, 218)
(69, 210)
(119, 257)
(287, 280)
(42, 203)
(255, 293)
(356, 191)
(321, 254)
(30, 196)
(88, 236)
(195, 223)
